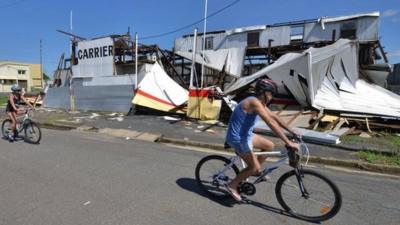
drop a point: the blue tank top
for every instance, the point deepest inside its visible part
(241, 124)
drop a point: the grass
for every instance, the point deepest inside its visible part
(391, 159)
(384, 140)
(394, 140)
(3, 100)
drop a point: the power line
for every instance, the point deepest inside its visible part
(192, 24)
(12, 4)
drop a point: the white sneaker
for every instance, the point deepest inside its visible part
(11, 138)
(233, 193)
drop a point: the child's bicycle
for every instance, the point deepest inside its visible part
(32, 132)
(304, 193)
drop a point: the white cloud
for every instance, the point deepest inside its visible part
(395, 53)
(389, 13)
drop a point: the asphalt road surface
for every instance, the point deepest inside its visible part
(83, 178)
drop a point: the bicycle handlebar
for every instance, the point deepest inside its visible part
(295, 156)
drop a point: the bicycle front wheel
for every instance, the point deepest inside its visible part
(211, 177)
(6, 128)
(33, 134)
(319, 200)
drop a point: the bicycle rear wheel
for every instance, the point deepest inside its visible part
(6, 128)
(322, 199)
(207, 171)
(33, 134)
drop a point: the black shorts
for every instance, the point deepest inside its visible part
(9, 108)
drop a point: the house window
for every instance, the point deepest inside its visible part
(253, 39)
(209, 43)
(21, 72)
(348, 30)
(8, 82)
(296, 33)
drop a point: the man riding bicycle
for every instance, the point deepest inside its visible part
(240, 134)
(12, 109)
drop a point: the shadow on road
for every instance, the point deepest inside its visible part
(190, 184)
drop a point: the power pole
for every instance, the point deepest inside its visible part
(41, 65)
(204, 42)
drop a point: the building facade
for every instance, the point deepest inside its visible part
(24, 74)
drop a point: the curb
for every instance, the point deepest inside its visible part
(218, 147)
(394, 170)
(52, 126)
(57, 126)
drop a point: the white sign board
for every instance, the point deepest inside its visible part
(95, 58)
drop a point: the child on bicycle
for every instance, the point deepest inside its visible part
(12, 109)
(240, 134)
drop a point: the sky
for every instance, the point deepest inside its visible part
(25, 22)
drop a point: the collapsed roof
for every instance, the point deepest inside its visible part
(327, 78)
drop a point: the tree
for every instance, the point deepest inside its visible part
(45, 77)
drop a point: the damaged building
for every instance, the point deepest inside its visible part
(331, 66)
(102, 74)
(243, 51)
(328, 64)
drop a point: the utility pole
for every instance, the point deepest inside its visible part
(192, 68)
(136, 61)
(204, 42)
(41, 65)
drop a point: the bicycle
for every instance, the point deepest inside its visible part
(294, 189)
(32, 131)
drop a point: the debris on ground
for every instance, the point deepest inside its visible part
(169, 118)
(119, 119)
(364, 135)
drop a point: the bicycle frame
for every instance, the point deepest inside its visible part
(21, 123)
(268, 169)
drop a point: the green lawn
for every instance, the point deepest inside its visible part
(3, 101)
(384, 140)
(380, 158)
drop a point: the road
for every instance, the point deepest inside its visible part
(83, 178)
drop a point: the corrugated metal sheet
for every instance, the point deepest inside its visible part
(313, 32)
(116, 98)
(99, 94)
(368, 28)
(182, 44)
(186, 44)
(111, 80)
(280, 35)
(348, 17)
(57, 98)
(236, 40)
(219, 40)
